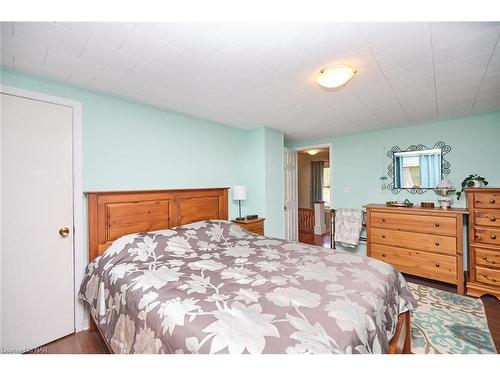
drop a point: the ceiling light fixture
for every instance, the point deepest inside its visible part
(335, 76)
(312, 152)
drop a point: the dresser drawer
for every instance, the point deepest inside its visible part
(414, 223)
(487, 235)
(417, 241)
(487, 200)
(488, 276)
(419, 263)
(487, 217)
(489, 258)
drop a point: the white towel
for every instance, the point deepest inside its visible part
(348, 224)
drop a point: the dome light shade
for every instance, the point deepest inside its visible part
(312, 152)
(335, 76)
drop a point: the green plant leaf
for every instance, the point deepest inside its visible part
(485, 182)
(464, 182)
(470, 183)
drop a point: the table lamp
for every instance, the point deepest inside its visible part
(443, 188)
(239, 194)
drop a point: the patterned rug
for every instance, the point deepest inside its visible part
(447, 323)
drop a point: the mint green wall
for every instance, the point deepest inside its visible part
(359, 161)
(265, 146)
(274, 183)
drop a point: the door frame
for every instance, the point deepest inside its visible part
(330, 159)
(81, 320)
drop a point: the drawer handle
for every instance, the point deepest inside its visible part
(437, 224)
(487, 260)
(436, 243)
(437, 265)
(492, 201)
(383, 255)
(488, 278)
(383, 236)
(493, 237)
(493, 218)
(383, 220)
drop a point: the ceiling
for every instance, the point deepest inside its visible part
(262, 74)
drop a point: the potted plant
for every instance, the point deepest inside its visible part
(473, 180)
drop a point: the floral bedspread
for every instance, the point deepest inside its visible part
(211, 287)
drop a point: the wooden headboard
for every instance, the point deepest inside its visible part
(117, 213)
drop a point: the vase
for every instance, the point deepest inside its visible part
(477, 184)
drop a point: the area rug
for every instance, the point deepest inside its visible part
(447, 323)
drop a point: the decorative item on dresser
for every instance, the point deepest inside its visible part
(252, 225)
(484, 242)
(426, 242)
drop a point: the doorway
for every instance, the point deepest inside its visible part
(314, 185)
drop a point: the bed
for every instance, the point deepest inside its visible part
(169, 274)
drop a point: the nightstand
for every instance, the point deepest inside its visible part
(252, 225)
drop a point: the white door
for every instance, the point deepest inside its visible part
(290, 194)
(37, 202)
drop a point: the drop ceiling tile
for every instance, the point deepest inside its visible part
(127, 86)
(58, 65)
(365, 26)
(490, 86)
(453, 108)
(140, 44)
(423, 117)
(411, 90)
(359, 59)
(394, 35)
(154, 29)
(474, 65)
(468, 46)
(332, 39)
(367, 89)
(409, 54)
(367, 76)
(112, 34)
(491, 104)
(6, 29)
(444, 33)
(23, 54)
(83, 72)
(199, 40)
(111, 58)
(418, 71)
(50, 35)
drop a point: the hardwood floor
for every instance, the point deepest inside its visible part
(314, 239)
(84, 342)
(90, 342)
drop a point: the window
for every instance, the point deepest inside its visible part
(326, 184)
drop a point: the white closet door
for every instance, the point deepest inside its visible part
(290, 194)
(37, 203)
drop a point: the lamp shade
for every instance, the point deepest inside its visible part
(445, 185)
(239, 192)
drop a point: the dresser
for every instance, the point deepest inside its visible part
(252, 225)
(425, 242)
(484, 242)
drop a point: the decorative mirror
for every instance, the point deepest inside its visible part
(417, 168)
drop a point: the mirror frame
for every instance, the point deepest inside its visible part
(445, 165)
